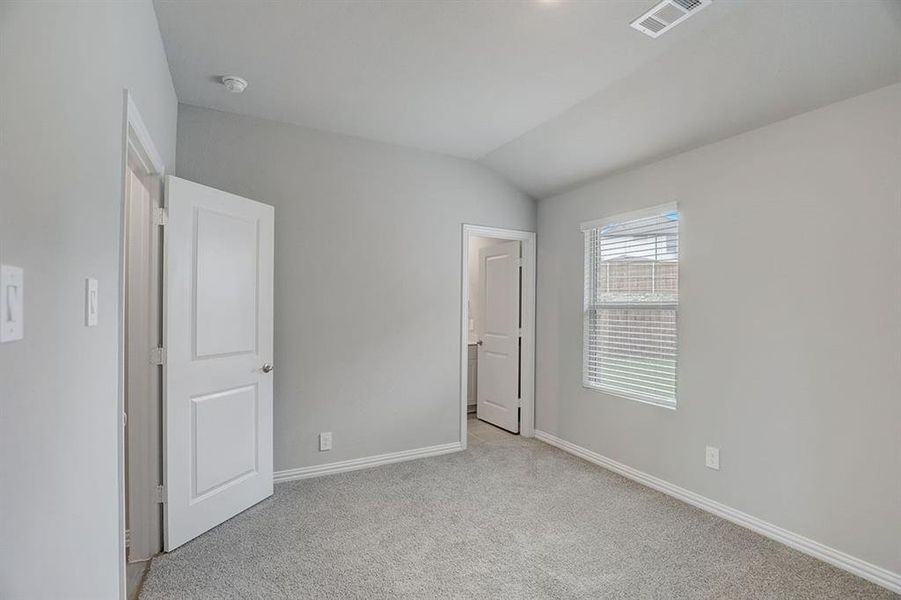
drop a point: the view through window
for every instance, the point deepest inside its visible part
(631, 305)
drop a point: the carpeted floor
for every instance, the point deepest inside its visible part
(508, 518)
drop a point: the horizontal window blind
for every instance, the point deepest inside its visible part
(631, 305)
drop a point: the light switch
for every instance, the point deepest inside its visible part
(90, 302)
(12, 297)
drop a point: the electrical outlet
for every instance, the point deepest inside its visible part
(325, 441)
(713, 458)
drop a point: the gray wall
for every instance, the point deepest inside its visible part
(790, 325)
(63, 67)
(367, 292)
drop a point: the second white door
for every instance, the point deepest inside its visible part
(499, 335)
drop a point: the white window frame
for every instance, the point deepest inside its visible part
(595, 224)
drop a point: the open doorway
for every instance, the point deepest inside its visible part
(141, 322)
(196, 316)
(498, 329)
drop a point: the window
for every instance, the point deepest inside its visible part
(632, 304)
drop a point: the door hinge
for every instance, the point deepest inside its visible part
(160, 494)
(519, 262)
(157, 356)
(160, 216)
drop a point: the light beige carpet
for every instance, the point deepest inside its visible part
(508, 518)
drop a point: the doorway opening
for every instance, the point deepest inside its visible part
(140, 370)
(498, 329)
(195, 448)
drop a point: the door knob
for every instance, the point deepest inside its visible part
(267, 368)
(479, 342)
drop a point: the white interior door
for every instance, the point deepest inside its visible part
(218, 380)
(499, 330)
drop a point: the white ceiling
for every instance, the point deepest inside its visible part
(547, 93)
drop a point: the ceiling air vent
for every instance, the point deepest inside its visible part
(667, 15)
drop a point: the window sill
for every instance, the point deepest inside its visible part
(668, 404)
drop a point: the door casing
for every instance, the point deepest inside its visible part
(136, 144)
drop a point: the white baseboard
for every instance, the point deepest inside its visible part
(365, 462)
(861, 568)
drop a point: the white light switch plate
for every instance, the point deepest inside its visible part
(90, 302)
(325, 441)
(713, 458)
(12, 298)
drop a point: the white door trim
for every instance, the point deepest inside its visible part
(136, 136)
(528, 239)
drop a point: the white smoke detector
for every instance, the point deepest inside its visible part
(666, 15)
(234, 84)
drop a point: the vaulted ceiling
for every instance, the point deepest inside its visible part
(548, 93)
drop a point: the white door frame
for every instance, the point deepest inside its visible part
(135, 139)
(527, 364)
